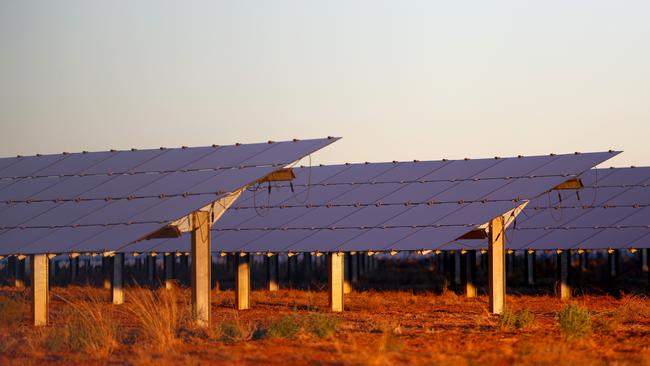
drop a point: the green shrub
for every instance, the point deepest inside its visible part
(575, 321)
(323, 325)
(231, 331)
(520, 320)
(286, 327)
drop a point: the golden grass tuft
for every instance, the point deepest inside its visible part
(158, 316)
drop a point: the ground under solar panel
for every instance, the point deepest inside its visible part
(383, 206)
(101, 201)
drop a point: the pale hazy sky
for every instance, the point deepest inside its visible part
(397, 79)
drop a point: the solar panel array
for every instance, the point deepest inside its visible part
(383, 206)
(101, 201)
(611, 211)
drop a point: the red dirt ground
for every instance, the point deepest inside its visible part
(377, 328)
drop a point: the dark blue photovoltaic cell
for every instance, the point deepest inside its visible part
(52, 212)
(125, 161)
(304, 224)
(30, 166)
(75, 163)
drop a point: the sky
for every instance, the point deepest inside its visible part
(398, 80)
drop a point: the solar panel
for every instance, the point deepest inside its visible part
(610, 212)
(384, 206)
(105, 200)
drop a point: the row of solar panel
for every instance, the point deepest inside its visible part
(52, 225)
(333, 214)
(86, 202)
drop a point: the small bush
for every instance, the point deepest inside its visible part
(322, 325)
(575, 321)
(231, 331)
(519, 320)
(285, 327)
(11, 311)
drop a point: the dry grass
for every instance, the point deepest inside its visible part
(158, 315)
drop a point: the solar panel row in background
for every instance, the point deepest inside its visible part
(611, 211)
(383, 206)
(101, 201)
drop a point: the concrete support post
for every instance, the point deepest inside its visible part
(74, 269)
(530, 267)
(201, 267)
(117, 283)
(645, 268)
(448, 264)
(563, 288)
(347, 274)
(496, 266)
(306, 258)
(185, 268)
(19, 278)
(39, 274)
(169, 263)
(88, 270)
(366, 263)
(151, 269)
(335, 270)
(273, 272)
(51, 267)
(612, 263)
(106, 272)
(354, 269)
(457, 269)
(290, 270)
(16, 276)
(361, 265)
(242, 282)
(468, 273)
(584, 261)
